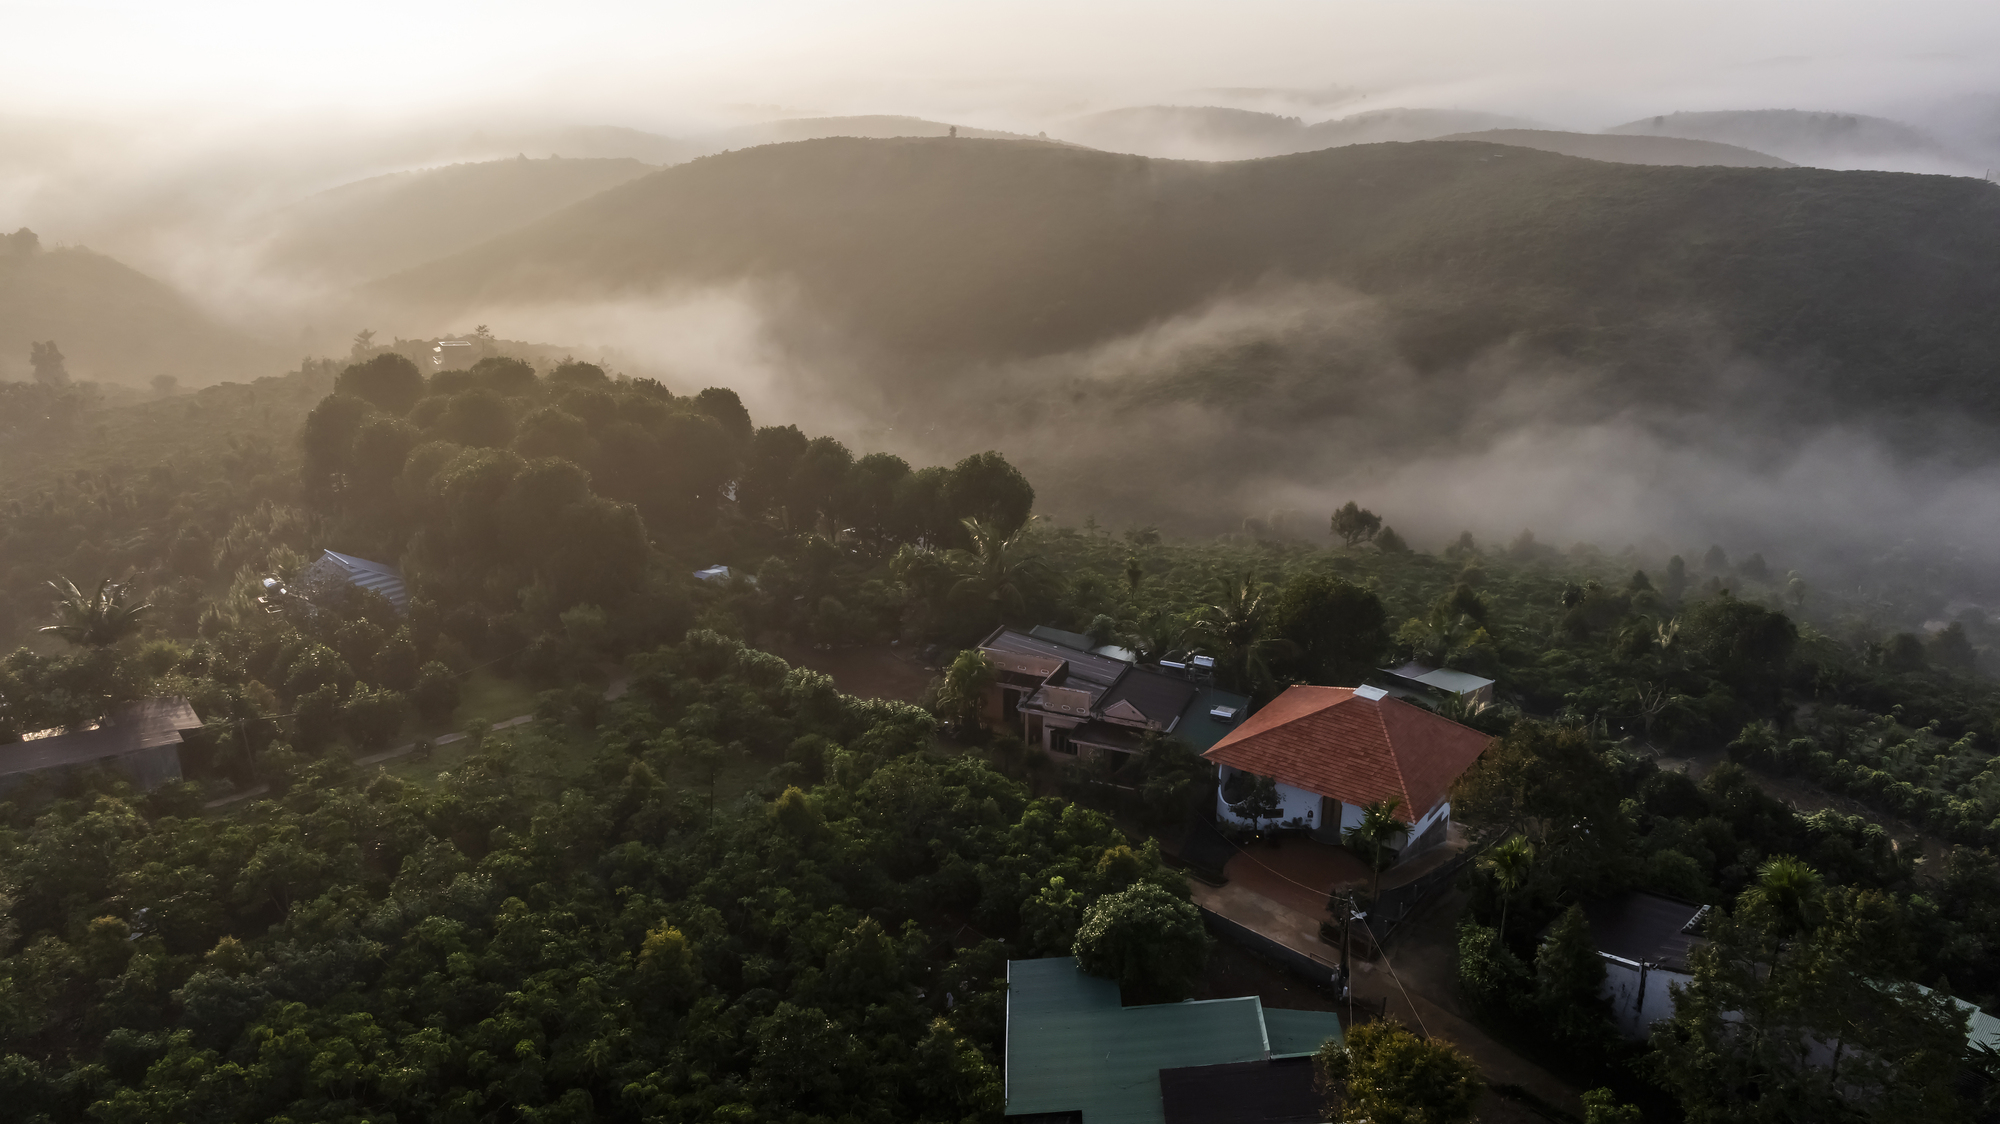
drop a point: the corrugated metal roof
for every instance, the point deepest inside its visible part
(1637, 925)
(1299, 1032)
(1072, 1048)
(1067, 639)
(378, 577)
(1086, 671)
(1273, 1092)
(1457, 682)
(147, 724)
(1159, 698)
(1200, 728)
(1442, 678)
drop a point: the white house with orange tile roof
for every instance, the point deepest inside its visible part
(1335, 750)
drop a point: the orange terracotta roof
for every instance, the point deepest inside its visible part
(1353, 748)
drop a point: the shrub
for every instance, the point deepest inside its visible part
(1147, 939)
(436, 692)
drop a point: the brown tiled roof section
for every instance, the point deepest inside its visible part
(1358, 750)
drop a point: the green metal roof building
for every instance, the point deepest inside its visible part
(1072, 1048)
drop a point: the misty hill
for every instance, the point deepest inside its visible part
(979, 249)
(877, 126)
(585, 142)
(1378, 126)
(1214, 133)
(1834, 140)
(1255, 329)
(1626, 149)
(114, 324)
(387, 223)
(1188, 132)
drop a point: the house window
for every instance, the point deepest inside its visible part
(1059, 741)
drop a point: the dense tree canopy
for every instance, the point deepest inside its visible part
(592, 944)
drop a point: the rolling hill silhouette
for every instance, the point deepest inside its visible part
(967, 251)
(115, 324)
(1623, 149)
(1827, 140)
(1213, 133)
(388, 223)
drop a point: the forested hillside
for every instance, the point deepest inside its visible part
(724, 889)
(387, 223)
(1854, 287)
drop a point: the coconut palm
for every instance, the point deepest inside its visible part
(95, 620)
(1234, 626)
(1157, 633)
(1509, 863)
(1377, 827)
(998, 569)
(1790, 891)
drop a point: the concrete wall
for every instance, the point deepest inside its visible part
(1638, 993)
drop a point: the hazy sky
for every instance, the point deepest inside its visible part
(663, 65)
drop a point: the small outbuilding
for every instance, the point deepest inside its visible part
(140, 739)
(333, 570)
(1442, 681)
(1644, 940)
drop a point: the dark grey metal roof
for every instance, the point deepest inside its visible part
(1278, 1091)
(1067, 639)
(1642, 926)
(1124, 739)
(1157, 695)
(137, 726)
(1091, 674)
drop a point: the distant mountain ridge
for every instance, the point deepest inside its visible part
(958, 251)
(878, 126)
(1838, 140)
(1218, 133)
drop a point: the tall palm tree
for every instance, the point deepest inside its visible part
(95, 620)
(1154, 635)
(1791, 890)
(1377, 827)
(998, 569)
(1509, 863)
(1234, 624)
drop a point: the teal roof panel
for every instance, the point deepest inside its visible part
(1300, 1032)
(1071, 1047)
(1201, 729)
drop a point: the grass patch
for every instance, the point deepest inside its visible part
(484, 695)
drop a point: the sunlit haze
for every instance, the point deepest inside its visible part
(655, 65)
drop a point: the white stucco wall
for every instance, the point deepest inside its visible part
(1295, 804)
(1301, 809)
